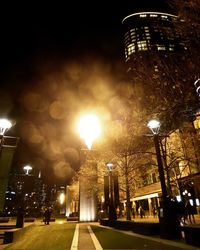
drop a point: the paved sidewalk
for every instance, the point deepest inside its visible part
(85, 239)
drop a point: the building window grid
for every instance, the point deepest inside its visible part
(142, 37)
(131, 48)
(142, 45)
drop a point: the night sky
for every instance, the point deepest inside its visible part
(37, 39)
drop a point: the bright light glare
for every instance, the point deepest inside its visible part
(27, 169)
(154, 125)
(4, 125)
(62, 198)
(89, 129)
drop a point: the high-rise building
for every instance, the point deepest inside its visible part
(150, 32)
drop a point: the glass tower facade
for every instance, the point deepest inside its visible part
(152, 32)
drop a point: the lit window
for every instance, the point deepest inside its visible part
(156, 68)
(142, 45)
(143, 15)
(171, 47)
(131, 49)
(153, 15)
(161, 47)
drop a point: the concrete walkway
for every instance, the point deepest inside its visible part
(85, 239)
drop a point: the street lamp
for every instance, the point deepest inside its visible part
(111, 212)
(27, 169)
(154, 125)
(89, 129)
(5, 125)
(169, 224)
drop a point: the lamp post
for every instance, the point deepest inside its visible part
(23, 199)
(169, 224)
(89, 129)
(111, 212)
(27, 169)
(154, 125)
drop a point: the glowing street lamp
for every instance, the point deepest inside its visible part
(154, 126)
(89, 129)
(27, 169)
(5, 125)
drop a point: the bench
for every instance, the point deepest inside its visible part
(9, 235)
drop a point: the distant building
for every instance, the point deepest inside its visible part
(146, 33)
(25, 190)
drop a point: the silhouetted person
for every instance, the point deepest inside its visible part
(141, 211)
(47, 216)
(133, 212)
(189, 212)
(180, 209)
(20, 217)
(154, 211)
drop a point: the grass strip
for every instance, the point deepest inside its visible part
(41, 237)
(110, 239)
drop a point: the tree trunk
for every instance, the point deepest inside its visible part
(128, 203)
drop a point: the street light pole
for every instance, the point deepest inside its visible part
(160, 167)
(168, 218)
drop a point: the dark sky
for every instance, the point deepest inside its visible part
(34, 34)
(30, 29)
